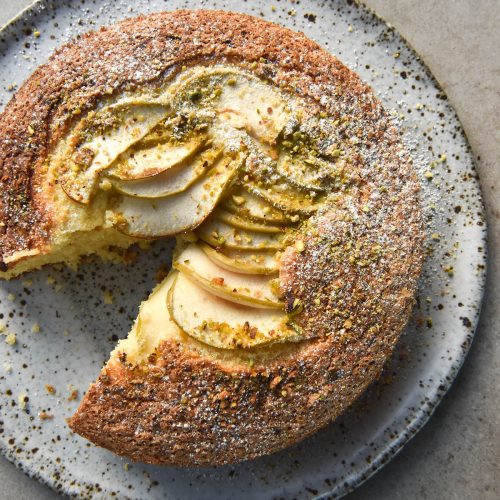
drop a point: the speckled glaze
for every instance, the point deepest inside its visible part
(79, 324)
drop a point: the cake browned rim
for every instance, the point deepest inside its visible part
(184, 407)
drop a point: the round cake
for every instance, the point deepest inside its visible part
(295, 208)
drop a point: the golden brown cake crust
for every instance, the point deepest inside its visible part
(356, 277)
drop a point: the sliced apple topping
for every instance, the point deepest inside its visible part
(159, 217)
(143, 161)
(246, 102)
(237, 97)
(173, 181)
(253, 291)
(283, 196)
(223, 324)
(220, 155)
(242, 261)
(247, 224)
(219, 234)
(247, 205)
(99, 139)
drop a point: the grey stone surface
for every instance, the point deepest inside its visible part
(456, 456)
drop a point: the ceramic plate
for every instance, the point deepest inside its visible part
(81, 313)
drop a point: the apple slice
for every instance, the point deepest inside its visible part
(242, 261)
(100, 138)
(172, 181)
(223, 324)
(249, 290)
(153, 218)
(283, 196)
(238, 98)
(247, 205)
(142, 162)
(244, 223)
(219, 234)
(246, 102)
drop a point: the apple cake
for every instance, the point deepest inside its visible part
(293, 201)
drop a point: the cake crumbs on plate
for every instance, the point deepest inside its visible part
(22, 400)
(11, 339)
(108, 296)
(50, 389)
(73, 395)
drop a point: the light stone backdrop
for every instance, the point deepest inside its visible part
(457, 454)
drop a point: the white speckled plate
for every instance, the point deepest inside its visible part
(78, 327)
